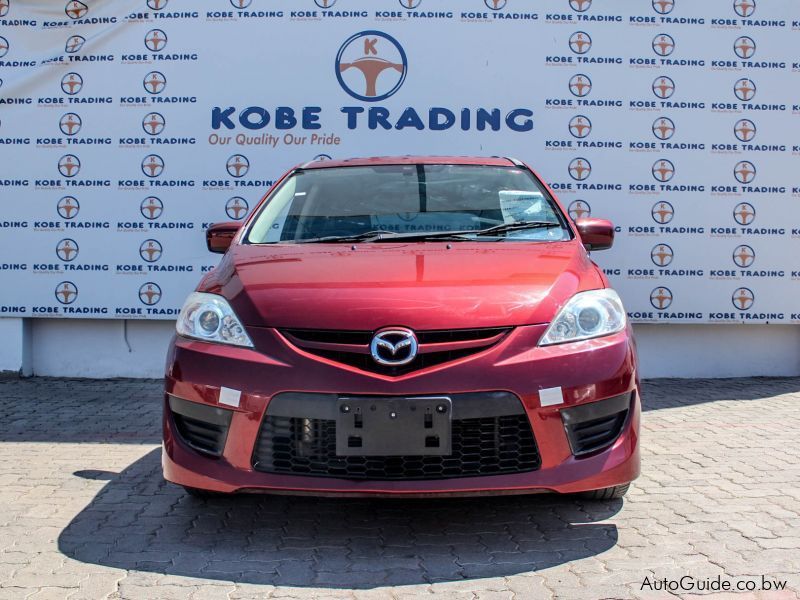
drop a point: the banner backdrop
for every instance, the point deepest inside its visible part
(127, 127)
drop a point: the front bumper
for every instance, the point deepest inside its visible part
(587, 372)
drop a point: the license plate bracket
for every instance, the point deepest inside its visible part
(385, 426)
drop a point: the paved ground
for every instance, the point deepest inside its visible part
(84, 512)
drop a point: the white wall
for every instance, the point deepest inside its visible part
(96, 348)
(718, 350)
(15, 346)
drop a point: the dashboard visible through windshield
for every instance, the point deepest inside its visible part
(418, 201)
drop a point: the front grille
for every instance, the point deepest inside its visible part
(594, 427)
(480, 446)
(201, 427)
(366, 363)
(435, 346)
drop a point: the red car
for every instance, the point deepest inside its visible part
(404, 326)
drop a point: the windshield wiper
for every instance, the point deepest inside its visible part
(458, 235)
(506, 227)
(378, 236)
(366, 236)
(464, 234)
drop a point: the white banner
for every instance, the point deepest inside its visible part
(127, 127)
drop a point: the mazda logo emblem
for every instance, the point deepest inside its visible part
(394, 347)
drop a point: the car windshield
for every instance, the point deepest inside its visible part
(395, 202)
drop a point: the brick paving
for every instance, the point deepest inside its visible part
(84, 512)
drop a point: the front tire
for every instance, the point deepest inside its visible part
(611, 493)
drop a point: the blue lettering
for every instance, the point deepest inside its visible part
(526, 125)
(410, 118)
(261, 113)
(221, 117)
(434, 120)
(378, 116)
(311, 117)
(466, 119)
(484, 117)
(284, 118)
(352, 113)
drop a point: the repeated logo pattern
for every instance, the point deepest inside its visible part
(674, 119)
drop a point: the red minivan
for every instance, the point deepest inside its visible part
(404, 326)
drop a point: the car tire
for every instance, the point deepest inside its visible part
(611, 493)
(198, 493)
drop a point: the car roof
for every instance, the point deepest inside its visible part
(490, 161)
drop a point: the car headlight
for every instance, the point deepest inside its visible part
(587, 315)
(210, 318)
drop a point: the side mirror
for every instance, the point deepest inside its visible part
(220, 235)
(596, 234)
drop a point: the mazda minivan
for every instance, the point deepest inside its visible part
(411, 326)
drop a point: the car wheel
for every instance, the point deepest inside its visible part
(198, 493)
(611, 493)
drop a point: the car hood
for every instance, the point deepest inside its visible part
(418, 285)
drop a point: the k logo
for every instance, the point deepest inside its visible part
(236, 208)
(661, 255)
(744, 47)
(76, 9)
(580, 5)
(743, 298)
(69, 165)
(580, 85)
(74, 44)
(150, 293)
(152, 165)
(744, 213)
(580, 126)
(744, 130)
(155, 40)
(663, 87)
(68, 207)
(663, 44)
(237, 165)
(67, 250)
(371, 66)
(70, 124)
(154, 82)
(744, 256)
(150, 250)
(153, 123)
(744, 171)
(661, 298)
(151, 208)
(663, 7)
(580, 169)
(663, 170)
(744, 8)
(662, 212)
(71, 83)
(66, 292)
(580, 42)
(745, 89)
(663, 128)
(579, 209)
